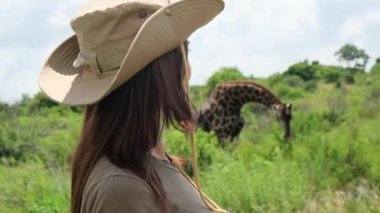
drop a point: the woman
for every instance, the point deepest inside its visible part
(128, 65)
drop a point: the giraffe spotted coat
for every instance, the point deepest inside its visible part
(221, 113)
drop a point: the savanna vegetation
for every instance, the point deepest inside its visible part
(331, 164)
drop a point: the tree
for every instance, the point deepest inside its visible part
(330, 74)
(304, 70)
(376, 67)
(355, 58)
(222, 75)
(4, 108)
(32, 105)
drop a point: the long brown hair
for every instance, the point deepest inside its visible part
(127, 124)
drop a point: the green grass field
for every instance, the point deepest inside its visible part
(331, 164)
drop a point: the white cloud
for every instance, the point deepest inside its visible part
(10, 12)
(256, 65)
(7, 58)
(19, 73)
(363, 31)
(36, 28)
(357, 25)
(62, 14)
(7, 4)
(247, 35)
(258, 36)
(278, 20)
(59, 19)
(325, 54)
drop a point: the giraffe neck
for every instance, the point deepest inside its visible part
(246, 91)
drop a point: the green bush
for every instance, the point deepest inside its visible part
(304, 70)
(376, 67)
(293, 81)
(287, 92)
(275, 79)
(198, 95)
(311, 86)
(330, 164)
(222, 75)
(259, 183)
(349, 77)
(50, 138)
(30, 187)
(330, 74)
(207, 149)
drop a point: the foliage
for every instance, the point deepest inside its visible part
(349, 53)
(330, 74)
(293, 81)
(198, 95)
(360, 197)
(349, 78)
(180, 146)
(31, 187)
(331, 164)
(304, 70)
(41, 130)
(287, 92)
(311, 86)
(222, 75)
(376, 67)
(271, 183)
(314, 72)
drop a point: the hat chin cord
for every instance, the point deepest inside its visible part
(209, 203)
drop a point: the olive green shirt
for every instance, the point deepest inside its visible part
(111, 189)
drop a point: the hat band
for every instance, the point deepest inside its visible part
(104, 62)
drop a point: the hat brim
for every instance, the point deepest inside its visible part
(165, 30)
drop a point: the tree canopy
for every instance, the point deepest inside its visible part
(222, 75)
(355, 58)
(376, 67)
(303, 69)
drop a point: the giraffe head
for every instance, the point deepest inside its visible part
(285, 111)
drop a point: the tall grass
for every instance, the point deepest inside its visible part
(331, 164)
(33, 188)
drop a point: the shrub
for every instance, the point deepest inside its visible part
(275, 79)
(288, 93)
(198, 95)
(330, 74)
(349, 78)
(50, 138)
(334, 149)
(207, 150)
(303, 69)
(262, 182)
(311, 86)
(293, 81)
(31, 188)
(376, 67)
(222, 75)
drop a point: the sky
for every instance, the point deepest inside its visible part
(259, 37)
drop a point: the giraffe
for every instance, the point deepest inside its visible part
(221, 113)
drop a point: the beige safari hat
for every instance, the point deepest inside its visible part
(115, 39)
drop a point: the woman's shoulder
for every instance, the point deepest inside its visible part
(105, 173)
(112, 189)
